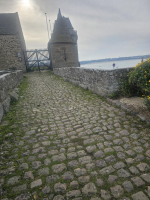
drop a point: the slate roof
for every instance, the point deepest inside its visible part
(10, 25)
(68, 23)
(61, 30)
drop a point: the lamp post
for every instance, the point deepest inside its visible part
(50, 26)
(47, 25)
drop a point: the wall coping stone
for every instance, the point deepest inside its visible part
(100, 81)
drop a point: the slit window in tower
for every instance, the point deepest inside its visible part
(65, 55)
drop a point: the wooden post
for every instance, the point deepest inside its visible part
(25, 60)
(37, 59)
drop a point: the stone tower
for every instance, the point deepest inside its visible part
(63, 44)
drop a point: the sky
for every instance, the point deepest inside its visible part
(105, 28)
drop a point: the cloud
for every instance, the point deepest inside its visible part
(109, 28)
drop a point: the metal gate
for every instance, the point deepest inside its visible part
(37, 59)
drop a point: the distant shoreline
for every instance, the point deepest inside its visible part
(114, 59)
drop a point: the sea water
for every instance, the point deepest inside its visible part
(109, 65)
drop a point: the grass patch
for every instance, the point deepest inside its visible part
(10, 117)
(79, 141)
(115, 95)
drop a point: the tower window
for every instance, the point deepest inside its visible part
(65, 55)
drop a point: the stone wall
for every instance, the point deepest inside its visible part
(10, 46)
(64, 55)
(8, 83)
(101, 82)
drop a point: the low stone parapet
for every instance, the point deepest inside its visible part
(101, 82)
(9, 80)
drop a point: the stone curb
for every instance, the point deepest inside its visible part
(126, 108)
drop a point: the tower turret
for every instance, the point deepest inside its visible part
(63, 44)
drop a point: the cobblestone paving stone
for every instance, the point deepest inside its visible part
(71, 144)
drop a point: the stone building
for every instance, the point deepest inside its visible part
(63, 44)
(12, 42)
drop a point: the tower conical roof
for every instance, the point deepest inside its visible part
(59, 14)
(61, 32)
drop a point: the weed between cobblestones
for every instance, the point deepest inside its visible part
(51, 110)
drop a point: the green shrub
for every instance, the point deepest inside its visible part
(139, 78)
(138, 83)
(147, 102)
(115, 95)
(127, 89)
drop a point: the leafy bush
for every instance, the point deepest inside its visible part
(138, 82)
(115, 95)
(147, 102)
(139, 78)
(127, 89)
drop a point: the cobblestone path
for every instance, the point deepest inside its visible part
(73, 145)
